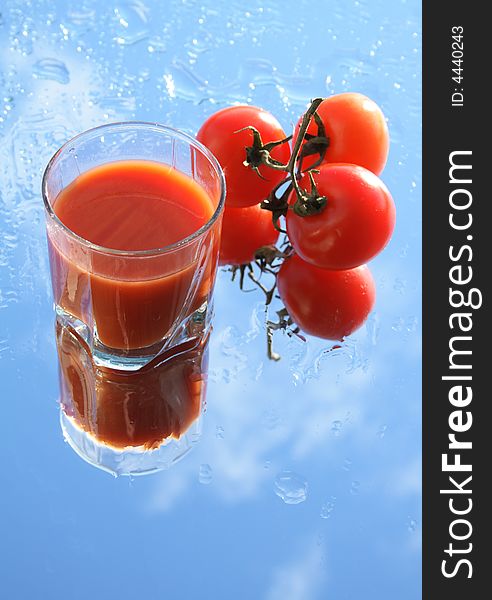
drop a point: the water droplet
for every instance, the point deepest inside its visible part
(143, 75)
(219, 432)
(411, 324)
(51, 68)
(400, 285)
(270, 419)
(397, 325)
(347, 464)
(327, 508)
(156, 44)
(205, 474)
(407, 326)
(404, 251)
(132, 22)
(411, 524)
(291, 487)
(170, 85)
(336, 427)
(355, 487)
(382, 431)
(84, 16)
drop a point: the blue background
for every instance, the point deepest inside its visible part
(344, 424)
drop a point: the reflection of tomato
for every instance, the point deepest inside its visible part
(218, 134)
(244, 230)
(355, 225)
(326, 304)
(357, 131)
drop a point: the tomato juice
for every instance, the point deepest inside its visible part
(125, 283)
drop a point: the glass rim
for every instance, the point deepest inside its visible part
(172, 132)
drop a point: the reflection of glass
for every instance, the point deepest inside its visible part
(132, 325)
(117, 419)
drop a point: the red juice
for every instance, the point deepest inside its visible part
(133, 408)
(132, 206)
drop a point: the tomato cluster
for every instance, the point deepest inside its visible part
(338, 213)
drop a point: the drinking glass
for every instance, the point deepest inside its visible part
(132, 327)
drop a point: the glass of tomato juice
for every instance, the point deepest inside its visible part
(133, 213)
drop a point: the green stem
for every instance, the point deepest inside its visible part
(306, 119)
(291, 165)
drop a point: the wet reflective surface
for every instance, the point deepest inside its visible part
(305, 484)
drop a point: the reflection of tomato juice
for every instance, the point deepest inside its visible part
(132, 301)
(132, 408)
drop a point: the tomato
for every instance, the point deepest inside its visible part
(244, 186)
(355, 225)
(326, 304)
(244, 230)
(357, 131)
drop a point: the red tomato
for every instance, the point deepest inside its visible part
(357, 130)
(244, 230)
(355, 225)
(244, 186)
(326, 304)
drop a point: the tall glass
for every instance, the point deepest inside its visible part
(132, 327)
